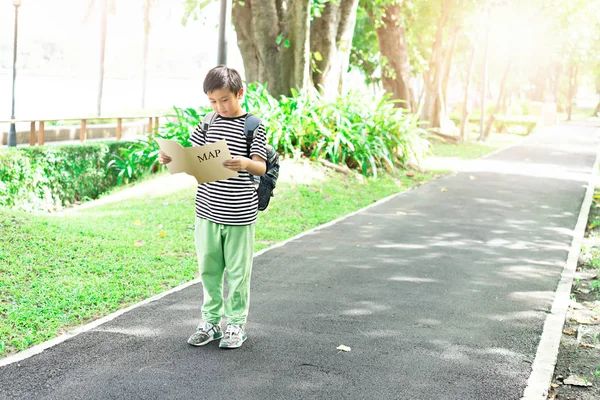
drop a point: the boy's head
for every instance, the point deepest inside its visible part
(224, 89)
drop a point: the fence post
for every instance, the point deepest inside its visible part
(32, 134)
(119, 128)
(82, 132)
(41, 134)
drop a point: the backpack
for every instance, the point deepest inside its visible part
(264, 184)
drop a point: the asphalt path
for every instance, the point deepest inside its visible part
(441, 292)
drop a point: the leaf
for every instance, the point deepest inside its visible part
(341, 347)
(570, 331)
(279, 39)
(139, 243)
(162, 234)
(318, 56)
(138, 223)
(286, 44)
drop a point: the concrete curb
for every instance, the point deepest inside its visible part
(84, 328)
(546, 356)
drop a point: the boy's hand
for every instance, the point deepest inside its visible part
(237, 163)
(163, 158)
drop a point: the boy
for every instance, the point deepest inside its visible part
(226, 212)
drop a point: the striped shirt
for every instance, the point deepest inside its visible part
(230, 201)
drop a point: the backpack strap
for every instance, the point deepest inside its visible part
(208, 121)
(250, 125)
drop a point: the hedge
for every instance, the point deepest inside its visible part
(520, 125)
(48, 178)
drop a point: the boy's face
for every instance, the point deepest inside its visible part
(225, 103)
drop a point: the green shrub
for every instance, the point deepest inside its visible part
(187, 120)
(47, 178)
(515, 124)
(134, 160)
(362, 133)
(521, 125)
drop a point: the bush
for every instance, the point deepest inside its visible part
(134, 160)
(362, 133)
(366, 134)
(521, 125)
(47, 178)
(515, 124)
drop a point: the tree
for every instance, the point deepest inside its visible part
(147, 7)
(274, 40)
(466, 111)
(570, 34)
(364, 54)
(105, 6)
(273, 37)
(331, 34)
(386, 17)
(434, 107)
(500, 101)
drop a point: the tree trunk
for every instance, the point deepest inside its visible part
(538, 81)
(573, 85)
(597, 110)
(434, 102)
(556, 87)
(103, 23)
(145, 59)
(500, 101)
(448, 62)
(331, 36)
(259, 24)
(395, 67)
(466, 109)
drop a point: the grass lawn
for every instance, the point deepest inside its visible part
(60, 271)
(473, 148)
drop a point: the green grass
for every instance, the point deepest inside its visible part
(579, 114)
(58, 272)
(466, 151)
(473, 149)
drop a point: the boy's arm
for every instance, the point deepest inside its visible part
(256, 165)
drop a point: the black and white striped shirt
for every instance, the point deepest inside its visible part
(231, 201)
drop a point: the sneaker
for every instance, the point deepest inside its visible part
(235, 335)
(206, 333)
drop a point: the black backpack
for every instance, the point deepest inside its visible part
(264, 184)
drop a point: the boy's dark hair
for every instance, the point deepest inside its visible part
(221, 77)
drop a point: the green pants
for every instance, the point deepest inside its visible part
(225, 250)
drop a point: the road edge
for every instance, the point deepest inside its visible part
(545, 360)
(37, 349)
